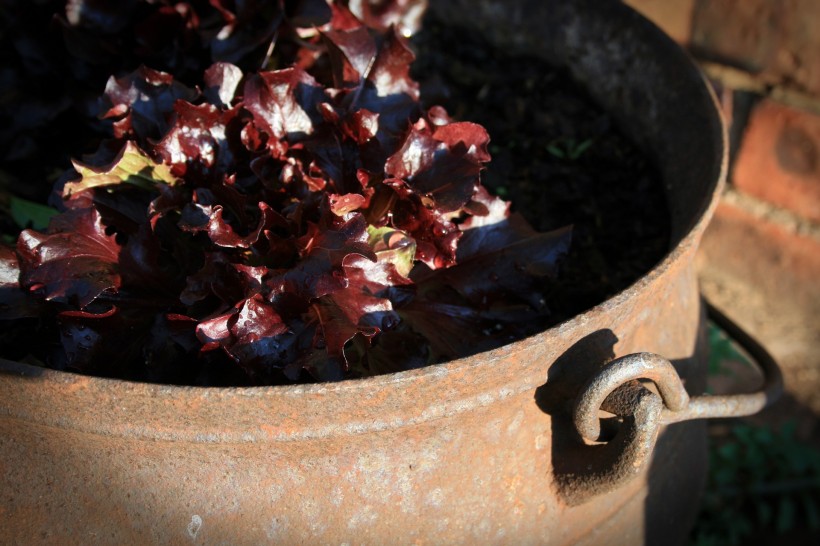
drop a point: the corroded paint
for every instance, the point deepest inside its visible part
(471, 451)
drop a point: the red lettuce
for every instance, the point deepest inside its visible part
(57, 55)
(310, 222)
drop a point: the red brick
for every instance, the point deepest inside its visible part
(779, 159)
(778, 261)
(775, 39)
(764, 276)
(673, 16)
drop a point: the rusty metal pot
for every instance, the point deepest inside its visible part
(502, 447)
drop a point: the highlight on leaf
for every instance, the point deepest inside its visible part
(131, 166)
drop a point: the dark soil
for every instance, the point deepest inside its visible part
(557, 156)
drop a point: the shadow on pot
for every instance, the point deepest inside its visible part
(673, 471)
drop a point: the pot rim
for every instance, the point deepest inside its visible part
(191, 396)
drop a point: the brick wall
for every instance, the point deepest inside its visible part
(760, 259)
(764, 56)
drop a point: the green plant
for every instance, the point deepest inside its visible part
(721, 350)
(760, 480)
(569, 148)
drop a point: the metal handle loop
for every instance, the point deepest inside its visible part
(614, 376)
(677, 404)
(617, 389)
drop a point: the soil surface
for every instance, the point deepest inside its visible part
(557, 157)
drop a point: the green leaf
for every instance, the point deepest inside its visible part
(721, 349)
(788, 430)
(764, 513)
(812, 511)
(393, 246)
(131, 166)
(555, 150)
(729, 452)
(569, 148)
(578, 151)
(742, 527)
(28, 214)
(744, 433)
(786, 514)
(763, 435)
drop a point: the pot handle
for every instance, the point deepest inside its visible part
(617, 389)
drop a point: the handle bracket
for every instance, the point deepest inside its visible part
(617, 389)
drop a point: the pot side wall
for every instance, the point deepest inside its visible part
(484, 473)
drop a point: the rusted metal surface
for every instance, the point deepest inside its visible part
(478, 450)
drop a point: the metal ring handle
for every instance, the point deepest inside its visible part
(677, 404)
(613, 377)
(617, 389)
